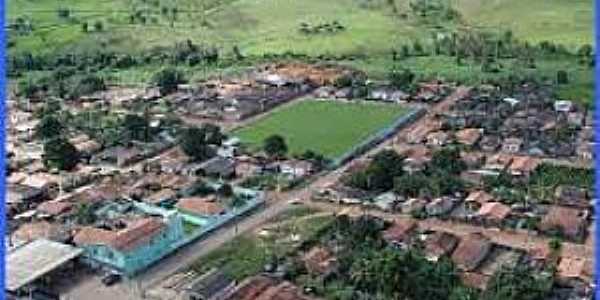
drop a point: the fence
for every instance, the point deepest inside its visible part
(378, 137)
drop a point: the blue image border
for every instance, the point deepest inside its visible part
(3, 97)
(596, 149)
(3, 142)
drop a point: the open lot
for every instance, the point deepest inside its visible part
(327, 127)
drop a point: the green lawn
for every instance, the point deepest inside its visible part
(327, 127)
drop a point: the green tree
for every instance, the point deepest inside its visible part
(411, 185)
(85, 214)
(98, 26)
(225, 191)
(60, 154)
(87, 85)
(167, 80)
(49, 127)
(194, 142)
(402, 79)
(275, 146)
(463, 293)
(448, 159)
(520, 282)
(380, 173)
(137, 127)
(562, 77)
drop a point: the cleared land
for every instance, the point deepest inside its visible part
(327, 127)
(272, 26)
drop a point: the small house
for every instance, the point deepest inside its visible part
(217, 166)
(575, 272)
(213, 285)
(413, 205)
(46, 183)
(440, 206)
(320, 261)
(570, 222)
(295, 168)
(438, 138)
(471, 251)
(439, 244)
(572, 196)
(494, 212)
(489, 143)
(468, 136)
(400, 233)
(472, 159)
(512, 145)
(498, 162)
(386, 201)
(523, 166)
(585, 151)
(478, 198)
(200, 207)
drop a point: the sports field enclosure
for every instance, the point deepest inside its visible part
(330, 128)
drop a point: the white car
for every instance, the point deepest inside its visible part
(295, 201)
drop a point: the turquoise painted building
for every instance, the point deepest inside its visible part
(150, 233)
(130, 250)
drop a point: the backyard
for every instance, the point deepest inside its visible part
(330, 128)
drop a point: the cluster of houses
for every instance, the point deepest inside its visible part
(564, 210)
(528, 122)
(478, 258)
(235, 99)
(475, 255)
(128, 206)
(214, 284)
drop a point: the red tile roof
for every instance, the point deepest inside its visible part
(524, 164)
(400, 230)
(200, 206)
(251, 288)
(468, 136)
(480, 197)
(494, 210)
(575, 268)
(54, 208)
(570, 220)
(439, 244)
(471, 251)
(137, 232)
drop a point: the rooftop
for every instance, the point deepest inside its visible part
(33, 260)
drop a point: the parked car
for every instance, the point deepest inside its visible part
(111, 279)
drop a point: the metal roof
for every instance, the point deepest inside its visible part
(33, 260)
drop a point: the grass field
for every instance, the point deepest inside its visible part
(272, 25)
(327, 127)
(263, 27)
(247, 254)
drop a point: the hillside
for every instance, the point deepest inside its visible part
(359, 33)
(370, 26)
